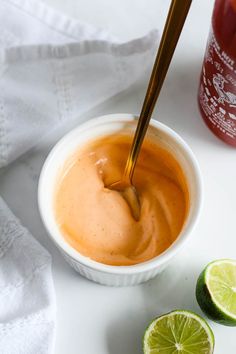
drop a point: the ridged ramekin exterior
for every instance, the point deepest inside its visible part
(98, 272)
(111, 279)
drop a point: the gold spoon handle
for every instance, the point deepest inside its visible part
(173, 27)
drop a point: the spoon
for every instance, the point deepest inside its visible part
(173, 27)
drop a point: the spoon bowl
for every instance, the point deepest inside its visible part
(130, 194)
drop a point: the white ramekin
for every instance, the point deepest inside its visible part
(98, 272)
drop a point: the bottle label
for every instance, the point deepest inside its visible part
(217, 92)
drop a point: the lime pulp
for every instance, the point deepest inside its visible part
(178, 332)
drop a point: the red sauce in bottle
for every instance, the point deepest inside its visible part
(217, 90)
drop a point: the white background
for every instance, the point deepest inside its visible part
(93, 319)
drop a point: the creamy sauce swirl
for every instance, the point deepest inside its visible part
(97, 221)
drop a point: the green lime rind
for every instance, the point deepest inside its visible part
(206, 299)
(190, 332)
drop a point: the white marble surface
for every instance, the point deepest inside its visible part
(96, 319)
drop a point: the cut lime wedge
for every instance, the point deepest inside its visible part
(178, 332)
(216, 291)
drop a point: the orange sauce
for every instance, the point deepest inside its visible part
(97, 221)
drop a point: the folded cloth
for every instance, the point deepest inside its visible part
(27, 301)
(52, 70)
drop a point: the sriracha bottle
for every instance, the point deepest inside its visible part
(217, 90)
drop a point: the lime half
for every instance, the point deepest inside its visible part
(216, 291)
(178, 332)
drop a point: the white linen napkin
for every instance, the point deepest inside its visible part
(52, 70)
(27, 301)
